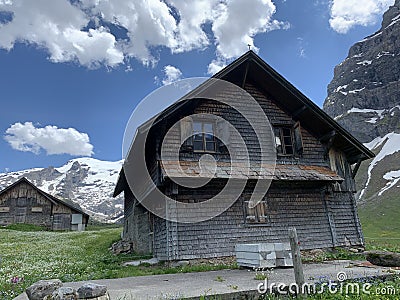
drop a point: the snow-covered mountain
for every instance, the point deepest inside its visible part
(86, 181)
(364, 97)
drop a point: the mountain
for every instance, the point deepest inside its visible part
(86, 181)
(364, 97)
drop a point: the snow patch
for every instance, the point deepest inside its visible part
(391, 145)
(393, 177)
(366, 110)
(339, 88)
(384, 53)
(365, 62)
(372, 120)
(356, 91)
(371, 37)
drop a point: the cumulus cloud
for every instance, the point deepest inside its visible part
(172, 74)
(58, 26)
(345, 14)
(215, 66)
(28, 138)
(85, 31)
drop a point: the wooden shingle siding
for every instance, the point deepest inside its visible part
(136, 225)
(342, 207)
(302, 208)
(20, 202)
(312, 188)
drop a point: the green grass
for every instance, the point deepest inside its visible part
(25, 227)
(27, 256)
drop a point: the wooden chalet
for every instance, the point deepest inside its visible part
(312, 188)
(23, 202)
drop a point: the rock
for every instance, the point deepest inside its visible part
(43, 288)
(383, 258)
(91, 290)
(121, 246)
(365, 90)
(179, 263)
(151, 261)
(65, 293)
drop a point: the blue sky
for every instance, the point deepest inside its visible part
(72, 72)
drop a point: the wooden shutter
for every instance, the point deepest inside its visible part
(223, 132)
(186, 130)
(298, 141)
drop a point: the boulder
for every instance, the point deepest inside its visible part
(43, 288)
(65, 293)
(383, 258)
(121, 247)
(92, 290)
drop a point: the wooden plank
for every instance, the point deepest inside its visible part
(298, 266)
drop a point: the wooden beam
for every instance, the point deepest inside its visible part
(299, 111)
(296, 256)
(245, 75)
(356, 167)
(327, 137)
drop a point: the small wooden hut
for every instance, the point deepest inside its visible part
(23, 202)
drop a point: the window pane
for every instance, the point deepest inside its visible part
(198, 137)
(210, 146)
(286, 132)
(198, 145)
(289, 149)
(209, 137)
(288, 141)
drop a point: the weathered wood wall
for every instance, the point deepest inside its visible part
(304, 208)
(324, 213)
(24, 204)
(137, 225)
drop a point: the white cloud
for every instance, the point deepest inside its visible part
(57, 26)
(215, 66)
(172, 74)
(346, 14)
(28, 138)
(81, 31)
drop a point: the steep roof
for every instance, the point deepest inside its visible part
(250, 66)
(49, 197)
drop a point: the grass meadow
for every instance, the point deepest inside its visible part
(29, 254)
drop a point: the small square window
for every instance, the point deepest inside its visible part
(284, 140)
(203, 136)
(256, 214)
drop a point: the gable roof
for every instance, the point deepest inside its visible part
(251, 67)
(49, 197)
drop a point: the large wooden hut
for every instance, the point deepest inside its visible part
(23, 202)
(312, 187)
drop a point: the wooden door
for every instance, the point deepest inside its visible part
(20, 215)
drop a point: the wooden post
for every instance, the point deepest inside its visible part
(296, 256)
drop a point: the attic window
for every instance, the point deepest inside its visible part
(288, 140)
(284, 140)
(203, 136)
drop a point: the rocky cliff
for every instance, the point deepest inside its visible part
(364, 97)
